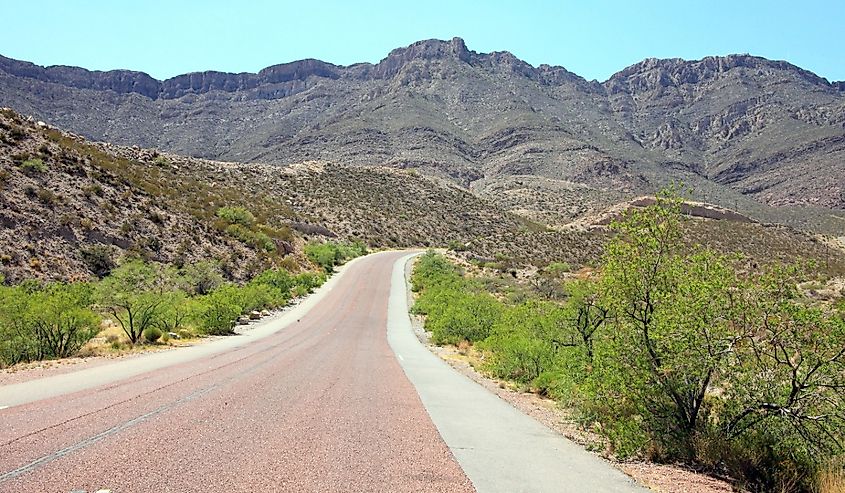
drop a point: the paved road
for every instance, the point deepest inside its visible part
(314, 401)
(321, 405)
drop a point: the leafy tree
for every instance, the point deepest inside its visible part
(587, 312)
(203, 277)
(133, 295)
(672, 330)
(173, 311)
(62, 321)
(16, 341)
(789, 370)
(39, 322)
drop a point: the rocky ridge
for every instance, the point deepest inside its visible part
(740, 130)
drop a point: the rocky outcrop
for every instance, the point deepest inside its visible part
(652, 73)
(120, 81)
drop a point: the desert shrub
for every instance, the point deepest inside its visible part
(98, 259)
(42, 322)
(282, 285)
(47, 197)
(217, 312)
(236, 215)
(309, 280)
(279, 279)
(33, 166)
(262, 241)
(457, 310)
(152, 334)
(330, 254)
(257, 296)
(432, 269)
(93, 189)
(132, 294)
(256, 239)
(468, 317)
(202, 277)
(525, 341)
(239, 232)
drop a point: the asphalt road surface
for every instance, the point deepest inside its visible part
(316, 400)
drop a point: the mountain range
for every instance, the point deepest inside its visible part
(741, 131)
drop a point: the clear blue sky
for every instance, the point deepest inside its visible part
(591, 38)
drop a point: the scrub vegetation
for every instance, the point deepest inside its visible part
(148, 301)
(670, 352)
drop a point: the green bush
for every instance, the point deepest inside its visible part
(310, 280)
(526, 340)
(330, 254)
(457, 309)
(279, 279)
(467, 317)
(152, 335)
(256, 296)
(43, 322)
(218, 311)
(34, 166)
(262, 241)
(236, 215)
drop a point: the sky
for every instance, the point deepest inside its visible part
(591, 38)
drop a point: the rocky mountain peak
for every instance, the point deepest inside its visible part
(654, 73)
(299, 70)
(430, 49)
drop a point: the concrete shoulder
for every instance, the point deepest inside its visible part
(500, 448)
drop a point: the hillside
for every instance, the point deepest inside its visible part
(72, 208)
(741, 131)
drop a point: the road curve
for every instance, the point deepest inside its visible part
(321, 405)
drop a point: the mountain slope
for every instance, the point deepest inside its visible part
(71, 208)
(736, 128)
